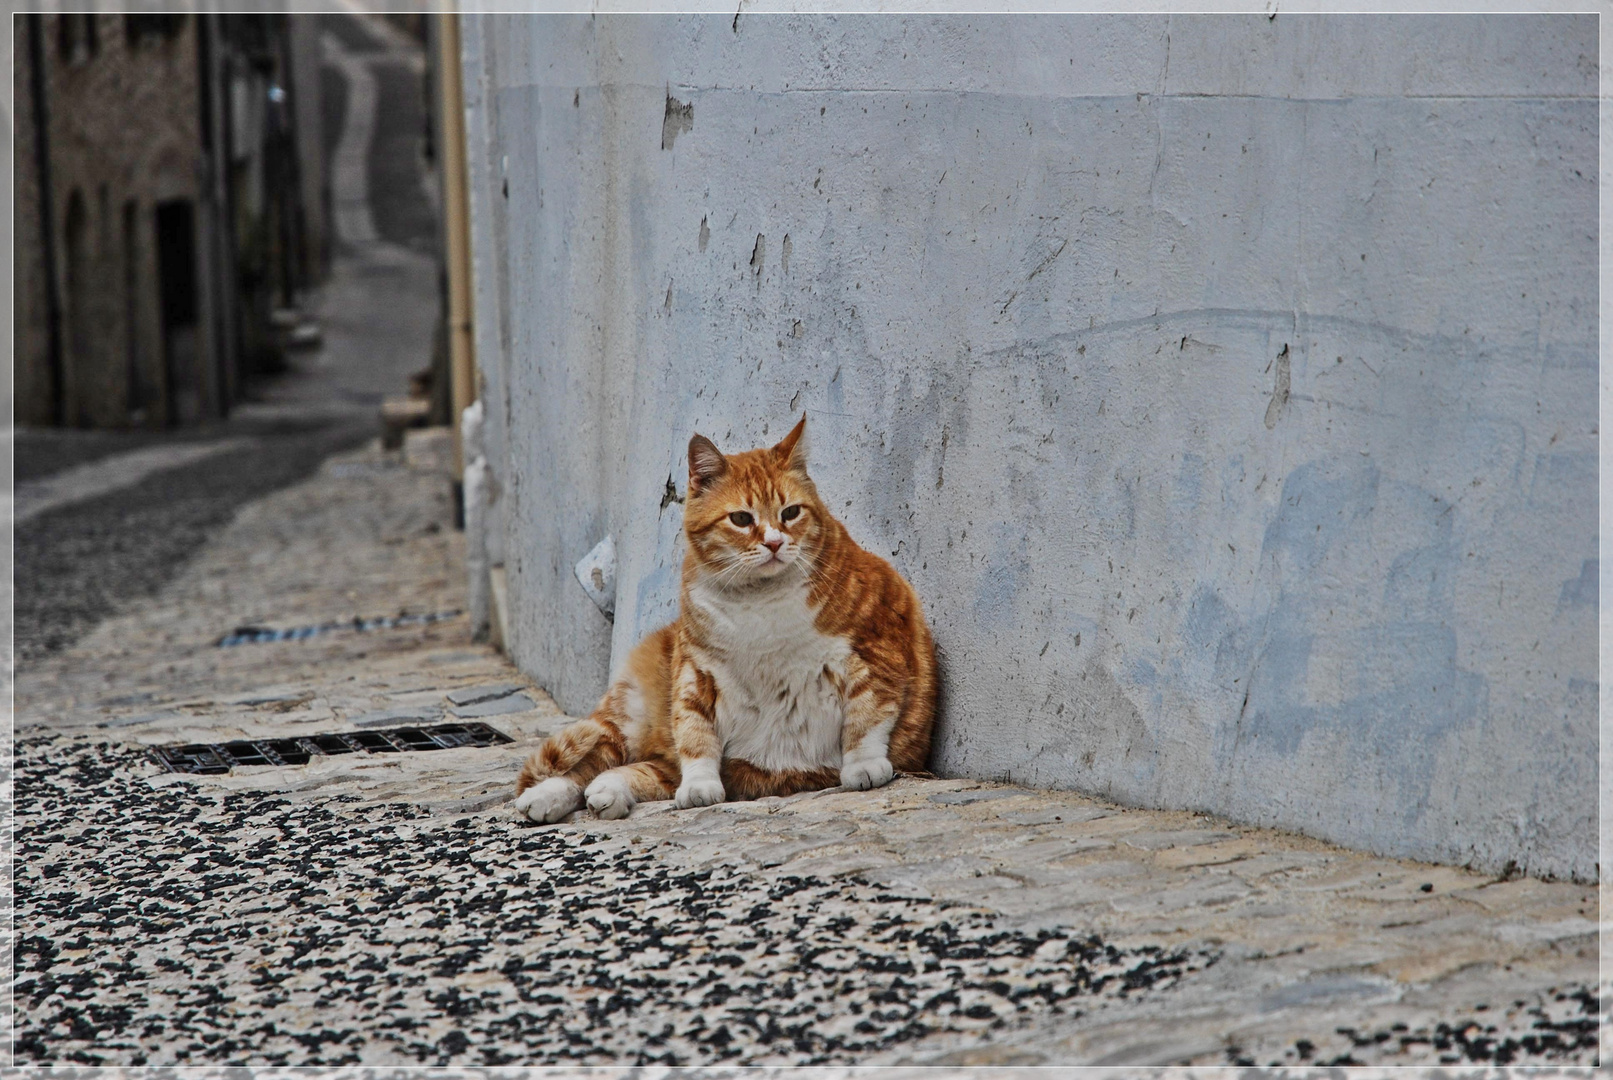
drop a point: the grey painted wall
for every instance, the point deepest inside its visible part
(1225, 385)
(490, 284)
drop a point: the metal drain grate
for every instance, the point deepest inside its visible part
(251, 635)
(222, 757)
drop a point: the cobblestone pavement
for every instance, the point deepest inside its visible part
(390, 909)
(81, 561)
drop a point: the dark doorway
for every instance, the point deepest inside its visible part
(77, 365)
(131, 311)
(176, 276)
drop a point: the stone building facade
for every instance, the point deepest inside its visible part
(159, 213)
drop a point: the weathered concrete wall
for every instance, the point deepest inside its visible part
(1225, 385)
(489, 284)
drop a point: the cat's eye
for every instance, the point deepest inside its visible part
(740, 518)
(789, 513)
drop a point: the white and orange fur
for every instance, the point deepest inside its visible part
(798, 660)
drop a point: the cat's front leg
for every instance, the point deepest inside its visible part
(865, 738)
(694, 733)
(702, 783)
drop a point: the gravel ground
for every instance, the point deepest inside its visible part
(149, 920)
(42, 452)
(79, 563)
(1562, 1028)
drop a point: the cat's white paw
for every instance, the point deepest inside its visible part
(866, 773)
(549, 800)
(609, 797)
(699, 792)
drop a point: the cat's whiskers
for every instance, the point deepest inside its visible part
(810, 560)
(734, 569)
(731, 569)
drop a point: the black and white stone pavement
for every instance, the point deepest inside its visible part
(180, 927)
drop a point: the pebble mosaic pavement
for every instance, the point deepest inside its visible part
(187, 926)
(399, 937)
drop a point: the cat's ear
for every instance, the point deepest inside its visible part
(706, 463)
(791, 452)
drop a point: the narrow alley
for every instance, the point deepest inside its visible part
(279, 575)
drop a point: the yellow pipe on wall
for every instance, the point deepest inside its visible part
(456, 212)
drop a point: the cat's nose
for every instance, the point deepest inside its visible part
(773, 544)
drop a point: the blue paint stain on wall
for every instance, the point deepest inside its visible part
(1574, 473)
(1583, 591)
(1188, 497)
(1322, 503)
(1421, 582)
(1186, 505)
(1005, 574)
(1385, 683)
(1213, 629)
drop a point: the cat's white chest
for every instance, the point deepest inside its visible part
(777, 706)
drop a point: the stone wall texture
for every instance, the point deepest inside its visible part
(1225, 385)
(29, 389)
(125, 136)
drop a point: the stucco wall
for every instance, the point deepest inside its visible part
(489, 282)
(1225, 385)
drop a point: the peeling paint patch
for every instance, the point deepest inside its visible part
(784, 257)
(670, 495)
(705, 235)
(758, 255)
(1279, 390)
(678, 119)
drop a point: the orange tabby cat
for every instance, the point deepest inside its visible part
(798, 660)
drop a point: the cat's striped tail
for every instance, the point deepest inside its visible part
(582, 750)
